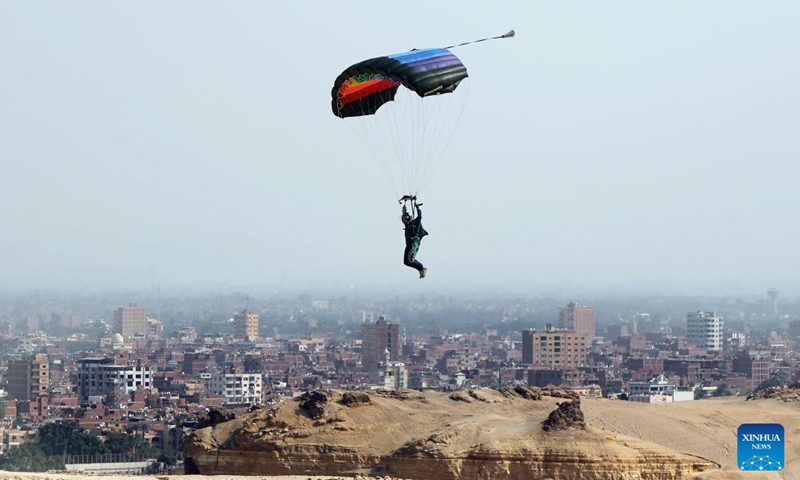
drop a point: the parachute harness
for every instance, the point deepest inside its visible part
(409, 200)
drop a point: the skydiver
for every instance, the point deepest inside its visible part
(413, 232)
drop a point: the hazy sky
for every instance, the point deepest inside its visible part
(615, 144)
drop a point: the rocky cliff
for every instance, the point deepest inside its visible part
(784, 393)
(474, 434)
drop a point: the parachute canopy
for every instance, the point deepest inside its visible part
(364, 87)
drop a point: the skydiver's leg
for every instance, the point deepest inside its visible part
(410, 254)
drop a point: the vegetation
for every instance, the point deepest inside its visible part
(167, 459)
(56, 441)
(699, 392)
(722, 391)
(29, 457)
(64, 438)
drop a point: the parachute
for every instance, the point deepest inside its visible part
(398, 105)
(364, 87)
(408, 137)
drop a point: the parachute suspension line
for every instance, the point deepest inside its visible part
(429, 155)
(433, 165)
(371, 134)
(425, 116)
(422, 151)
(420, 125)
(400, 128)
(398, 131)
(393, 129)
(508, 34)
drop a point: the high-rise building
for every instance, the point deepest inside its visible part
(245, 326)
(130, 321)
(704, 330)
(377, 338)
(28, 377)
(98, 376)
(559, 349)
(578, 318)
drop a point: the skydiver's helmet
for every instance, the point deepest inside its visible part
(406, 218)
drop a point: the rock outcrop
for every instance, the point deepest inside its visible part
(314, 403)
(567, 415)
(477, 434)
(214, 416)
(784, 393)
(354, 399)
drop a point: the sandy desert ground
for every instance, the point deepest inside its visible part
(705, 428)
(61, 476)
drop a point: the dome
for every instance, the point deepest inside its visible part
(117, 339)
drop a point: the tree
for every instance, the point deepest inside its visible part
(64, 438)
(141, 446)
(29, 458)
(612, 388)
(699, 392)
(120, 443)
(722, 391)
(167, 458)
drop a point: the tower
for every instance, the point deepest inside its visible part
(772, 293)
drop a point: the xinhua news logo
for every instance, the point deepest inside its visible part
(760, 447)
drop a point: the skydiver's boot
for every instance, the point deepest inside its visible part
(423, 272)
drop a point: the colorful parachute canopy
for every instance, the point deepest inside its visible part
(365, 86)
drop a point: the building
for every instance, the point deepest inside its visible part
(14, 437)
(544, 377)
(155, 329)
(395, 374)
(376, 338)
(245, 326)
(559, 349)
(657, 385)
(657, 390)
(704, 330)
(29, 377)
(130, 321)
(755, 367)
(578, 318)
(100, 377)
(236, 388)
(616, 331)
(65, 320)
